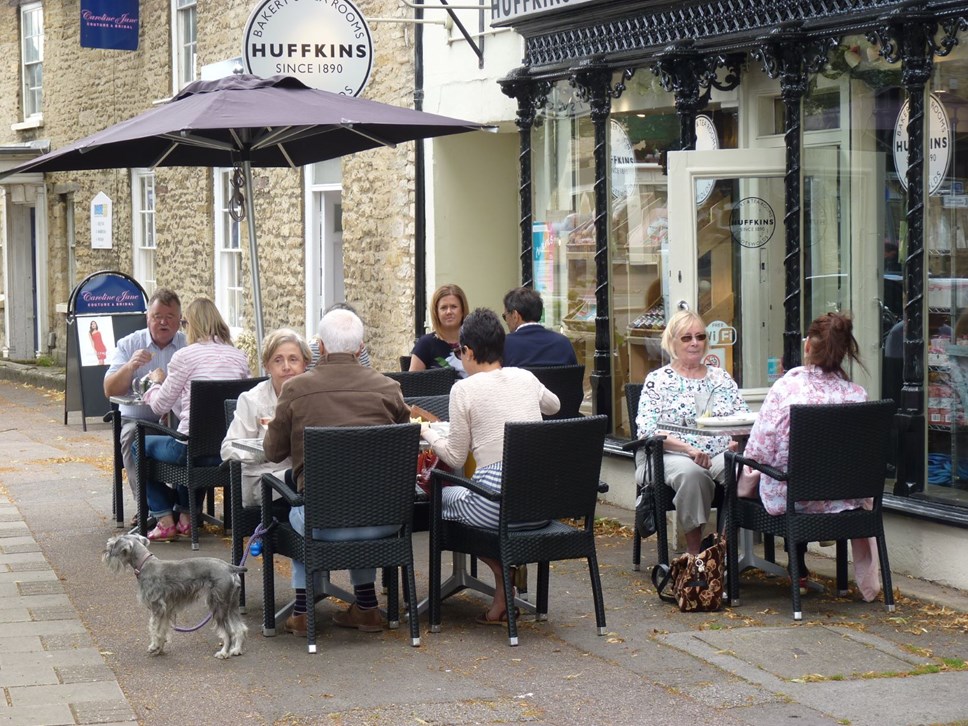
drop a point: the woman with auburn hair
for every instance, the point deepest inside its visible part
(821, 379)
(209, 355)
(693, 464)
(441, 349)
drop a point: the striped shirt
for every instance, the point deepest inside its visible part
(203, 361)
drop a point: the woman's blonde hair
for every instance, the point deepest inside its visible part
(280, 337)
(442, 292)
(205, 321)
(677, 324)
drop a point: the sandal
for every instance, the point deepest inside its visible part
(186, 530)
(163, 534)
(482, 619)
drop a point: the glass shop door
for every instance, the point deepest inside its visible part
(726, 248)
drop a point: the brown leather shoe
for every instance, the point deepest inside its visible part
(297, 624)
(367, 621)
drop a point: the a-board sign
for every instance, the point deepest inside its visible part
(103, 308)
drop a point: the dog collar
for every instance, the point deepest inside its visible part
(137, 569)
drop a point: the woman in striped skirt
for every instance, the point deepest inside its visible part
(480, 405)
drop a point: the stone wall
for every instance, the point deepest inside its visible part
(86, 90)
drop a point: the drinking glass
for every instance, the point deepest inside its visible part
(265, 416)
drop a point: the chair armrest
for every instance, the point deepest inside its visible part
(438, 478)
(637, 444)
(736, 459)
(602, 487)
(162, 429)
(109, 416)
(272, 483)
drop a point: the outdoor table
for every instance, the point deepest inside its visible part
(747, 555)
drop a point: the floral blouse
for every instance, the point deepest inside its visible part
(667, 396)
(769, 442)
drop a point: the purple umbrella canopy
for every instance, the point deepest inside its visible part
(268, 122)
(246, 121)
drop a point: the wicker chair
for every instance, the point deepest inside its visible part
(431, 382)
(347, 485)
(550, 472)
(836, 452)
(566, 382)
(651, 449)
(439, 406)
(204, 445)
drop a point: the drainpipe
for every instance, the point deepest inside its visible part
(420, 197)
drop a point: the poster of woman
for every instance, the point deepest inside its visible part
(96, 336)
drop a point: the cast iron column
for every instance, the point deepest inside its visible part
(684, 72)
(592, 81)
(529, 94)
(907, 35)
(789, 55)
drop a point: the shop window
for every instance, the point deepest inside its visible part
(229, 277)
(143, 227)
(32, 59)
(184, 42)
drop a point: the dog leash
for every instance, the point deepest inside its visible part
(255, 544)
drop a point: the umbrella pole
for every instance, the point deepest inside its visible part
(253, 258)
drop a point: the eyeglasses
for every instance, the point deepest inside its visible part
(459, 351)
(159, 318)
(699, 337)
(504, 315)
(183, 323)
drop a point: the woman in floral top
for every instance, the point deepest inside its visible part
(822, 379)
(693, 464)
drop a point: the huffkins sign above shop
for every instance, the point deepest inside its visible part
(326, 44)
(503, 11)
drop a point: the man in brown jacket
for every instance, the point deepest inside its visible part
(337, 392)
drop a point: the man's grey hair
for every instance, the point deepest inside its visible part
(341, 331)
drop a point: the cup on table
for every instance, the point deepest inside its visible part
(704, 401)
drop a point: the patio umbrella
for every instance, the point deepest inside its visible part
(246, 121)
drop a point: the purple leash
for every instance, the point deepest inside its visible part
(256, 539)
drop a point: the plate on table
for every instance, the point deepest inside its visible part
(737, 419)
(441, 427)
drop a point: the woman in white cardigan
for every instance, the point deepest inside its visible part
(284, 355)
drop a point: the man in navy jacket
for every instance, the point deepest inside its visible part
(529, 343)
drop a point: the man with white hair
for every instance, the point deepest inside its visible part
(337, 392)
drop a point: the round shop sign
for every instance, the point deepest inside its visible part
(707, 139)
(326, 45)
(938, 146)
(752, 222)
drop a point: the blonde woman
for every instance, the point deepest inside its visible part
(693, 464)
(209, 355)
(440, 349)
(284, 356)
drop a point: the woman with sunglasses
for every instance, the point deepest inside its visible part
(693, 464)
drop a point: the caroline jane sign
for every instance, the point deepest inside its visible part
(324, 43)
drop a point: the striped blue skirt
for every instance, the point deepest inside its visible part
(463, 505)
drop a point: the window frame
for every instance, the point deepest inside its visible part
(36, 111)
(144, 239)
(180, 75)
(229, 297)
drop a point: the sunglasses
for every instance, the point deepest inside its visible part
(459, 351)
(183, 323)
(700, 337)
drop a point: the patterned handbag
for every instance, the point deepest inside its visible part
(697, 581)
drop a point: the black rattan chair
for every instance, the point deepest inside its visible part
(244, 519)
(550, 472)
(650, 451)
(354, 477)
(431, 382)
(208, 427)
(566, 382)
(836, 452)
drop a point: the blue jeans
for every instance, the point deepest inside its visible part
(297, 518)
(163, 499)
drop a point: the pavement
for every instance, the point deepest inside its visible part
(73, 637)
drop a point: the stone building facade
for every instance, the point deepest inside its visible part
(86, 90)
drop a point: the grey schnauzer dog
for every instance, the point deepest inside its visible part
(167, 586)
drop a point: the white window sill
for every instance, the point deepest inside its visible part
(34, 122)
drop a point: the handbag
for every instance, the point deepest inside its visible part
(645, 512)
(697, 581)
(426, 460)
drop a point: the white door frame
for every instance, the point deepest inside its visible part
(319, 259)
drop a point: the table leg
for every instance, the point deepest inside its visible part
(461, 579)
(748, 557)
(118, 499)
